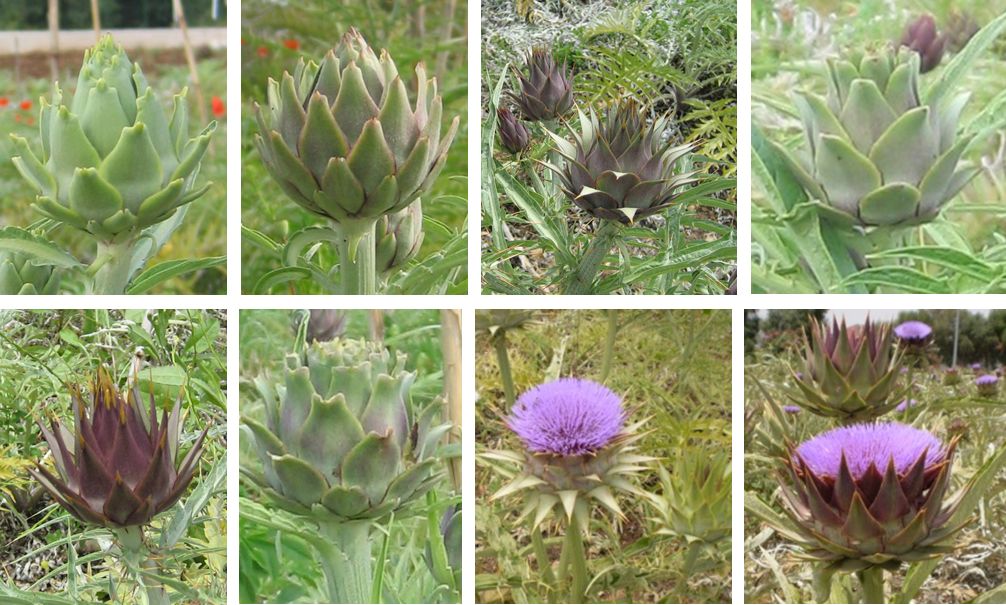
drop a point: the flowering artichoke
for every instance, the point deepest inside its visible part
(342, 138)
(921, 36)
(546, 88)
(399, 236)
(341, 440)
(513, 133)
(987, 385)
(116, 468)
(621, 168)
(913, 333)
(878, 154)
(112, 162)
(695, 503)
(21, 273)
(577, 449)
(871, 495)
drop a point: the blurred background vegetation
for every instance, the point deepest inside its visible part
(673, 366)
(115, 14)
(275, 36)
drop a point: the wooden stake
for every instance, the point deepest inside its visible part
(190, 58)
(96, 19)
(54, 33)
(450, 342)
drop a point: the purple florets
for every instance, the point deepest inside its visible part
(568, 417)
(792, 409)
(870, 443)
(905, 404)
(986, 380)
(913, 332)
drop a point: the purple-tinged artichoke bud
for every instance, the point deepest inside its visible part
(398, 237)
(341, 439)
(514, 135)
(951, 377)
(850, 373)
(577, 450)
(325, 324)
(546, 88)
(871, 495)
(921, 36)
(117, 467)
(987, 385)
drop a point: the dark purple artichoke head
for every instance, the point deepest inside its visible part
(513, 133)
(116, 468)
(622, 168)
(921, 36)
(546, 88)
(871, 495)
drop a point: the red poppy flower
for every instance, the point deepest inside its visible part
(263, 52)
(219, 109)
(291, 43)
(26, 105)
(4, 101)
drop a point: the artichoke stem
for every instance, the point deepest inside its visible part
(506, 375)
(111, 268)
(357, 256)
(573, 562)
(609, 345)
(345, 557)
(139, 563)
(582, 281)
(872, 581)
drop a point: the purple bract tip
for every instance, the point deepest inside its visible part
(870, 443)
(913, 332)
(568, 417)
(987, 379)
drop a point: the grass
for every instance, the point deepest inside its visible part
(673, 366)
(203, 232)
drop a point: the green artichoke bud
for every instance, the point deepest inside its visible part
(112, 162)
(695, 503)
(513, 133)
(22, 273)
(951, 377)
(879, 155)
(622, 168)
(850, 373)
(116, 468)
(398, 237)
(871, 495)
(343, 139)
(546, 88)
(492, 321)
(341, 439)
(921, 36)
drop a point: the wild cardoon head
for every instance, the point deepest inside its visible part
(987, 385)
(567, 417)
(913, 333)
(871, 494)
(850, 373)
(577, 449)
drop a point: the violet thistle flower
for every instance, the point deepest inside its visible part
(567, 417)
(905, 405)
(913, 333)
(987, 385)
(792, 409)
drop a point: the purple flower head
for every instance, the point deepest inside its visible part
(905, 404)
(976, 366)
(913, 332)
(870, 444)
(792, 409)
(986, 379)
(569, 417)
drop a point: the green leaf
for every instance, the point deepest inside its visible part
(548, 225)
(19, 241)
(279, 276)
(901, 279)
(951, 258)
(162, 272)
(961, 63)
(179, 524)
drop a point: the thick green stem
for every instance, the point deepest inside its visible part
(582, 281)
(345, 555)
(357, 256)
(573, 562)
(609, 344)
(506, 376)
(139, 563)
(872, 581)
(111, 268)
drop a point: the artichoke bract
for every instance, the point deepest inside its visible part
(514, 135)
(546, 88)
(878, 155)
(112, 162)
(398, 237)
(344, 141)
(577, 451)
(850, 372)
(871, 495)
(622, 168)
(117, 467)
(341, 440)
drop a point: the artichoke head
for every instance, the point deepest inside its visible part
(850, 373)
(514, 135)
(343, 139)
(877, 153)
(117, 467)
(622, 167)
(546, 88)
(341, 439)
(112, 162)
(695, 503)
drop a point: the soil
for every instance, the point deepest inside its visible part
(23, 571)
